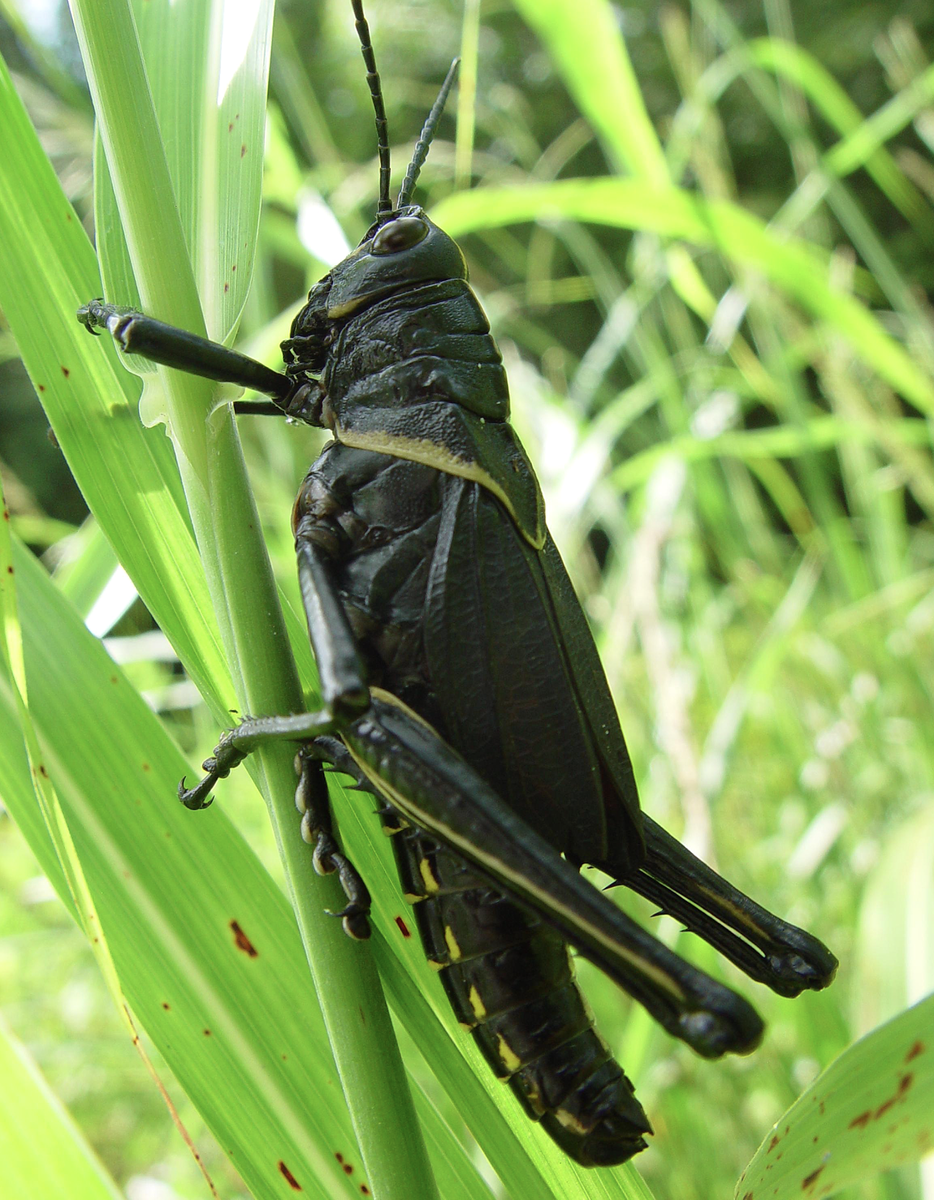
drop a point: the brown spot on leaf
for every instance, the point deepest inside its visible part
(904, 1084)
(810, 1180)
(206, 1032)
(348, 1169)
(916, 1049)
(166, 1005)
(861, 1121)
(772, 1144)
(242, 942)
(289, 1177)
(364, 1190)
(66, 372)
(403, 928)
(243, 151)
(41, 387)
(338, 1156)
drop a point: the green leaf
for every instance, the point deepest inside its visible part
(585, 41)
(42, 1153)
(870, 1111)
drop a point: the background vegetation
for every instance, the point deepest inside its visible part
(738, 474)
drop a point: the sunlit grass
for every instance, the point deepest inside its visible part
(730, 424)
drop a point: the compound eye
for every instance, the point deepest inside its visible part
(401, 234)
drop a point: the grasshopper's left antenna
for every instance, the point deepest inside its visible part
(384, 204)
(424, 142)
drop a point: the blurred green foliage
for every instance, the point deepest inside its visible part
(764, 608)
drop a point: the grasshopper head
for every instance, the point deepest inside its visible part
(402, 252)
(396, 254)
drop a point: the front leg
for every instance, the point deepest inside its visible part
(135, 333)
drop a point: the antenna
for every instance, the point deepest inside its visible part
(424, 141)
(384, 204)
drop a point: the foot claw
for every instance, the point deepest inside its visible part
(200, 795)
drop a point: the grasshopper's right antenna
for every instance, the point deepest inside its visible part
(384, 204)
(424, 142)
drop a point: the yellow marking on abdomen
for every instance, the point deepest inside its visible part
(430, 880)
(476, 1003)
(451, 941)
(508, 1057)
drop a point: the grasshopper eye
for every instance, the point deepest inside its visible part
(401, 234)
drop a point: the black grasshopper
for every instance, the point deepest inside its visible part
(462, 686)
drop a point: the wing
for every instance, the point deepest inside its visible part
(519, 682)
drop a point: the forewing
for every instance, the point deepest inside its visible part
(621, 798)
(503, 676)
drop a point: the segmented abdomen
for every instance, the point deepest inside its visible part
(510, 981)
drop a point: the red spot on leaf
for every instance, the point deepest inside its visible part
(242, 942)
(289, 1177)
(403, 928)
